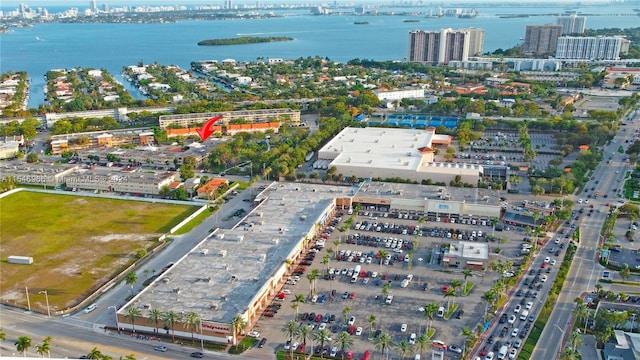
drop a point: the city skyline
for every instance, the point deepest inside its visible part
(41, 3)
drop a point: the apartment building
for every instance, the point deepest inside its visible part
(443, 46)
(589, 47)
(572, 24)
(540, 39)
(288, 116)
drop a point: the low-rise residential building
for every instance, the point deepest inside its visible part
(207, 190)
(10, 145)
(414, 93)
(288, 116)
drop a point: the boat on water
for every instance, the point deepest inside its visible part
(361, 23)
(411, 21)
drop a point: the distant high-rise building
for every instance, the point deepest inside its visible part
(440, 47)
(105, 7)
(541, 39)
(572, 24)
(590, 47)
(93, 6)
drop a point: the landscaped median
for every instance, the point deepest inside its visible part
(547, 308)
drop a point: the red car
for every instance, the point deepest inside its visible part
(352, 295)
(544, 265)
(351, 329)
(269, 314)
(483, 351)
(318, 318)
(349, 355)
(366, 355)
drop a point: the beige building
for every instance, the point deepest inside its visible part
(287, 116)
(389, 153)
(467, 254)
(134, 183)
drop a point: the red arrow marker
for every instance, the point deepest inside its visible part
(206, 131)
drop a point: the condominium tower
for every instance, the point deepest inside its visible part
(540, 39)
(571, 24)
(440, 47)
(590, 47)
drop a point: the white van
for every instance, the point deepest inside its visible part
(524, 315)
(441, 311)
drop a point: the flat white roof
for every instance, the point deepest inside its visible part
(378, 147)
(469, 250)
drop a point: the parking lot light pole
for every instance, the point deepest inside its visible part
(46, 296)
(115, 311)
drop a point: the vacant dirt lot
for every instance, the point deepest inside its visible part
(76, 243)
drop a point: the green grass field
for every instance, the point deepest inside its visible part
(77, 243)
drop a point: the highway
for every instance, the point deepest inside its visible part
(585, 270)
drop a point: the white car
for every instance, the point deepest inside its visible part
(552, 262)
(334, 351)
(286, 291)
(322, 326)
(295, 345)
(517, 308)
(513, 353)
(517, 343)
(403, 328)
(352, 320)
(412, 339)
(253, 334)
(529, 305)
(359, 331)
(579, 201)
(489, 356)
(374, 274)
(557, 241)
(543, 278)
(512, 319)
(515, 332)
(314, 298)
(547, 259)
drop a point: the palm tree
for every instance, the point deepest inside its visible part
(429, 311)
(316, 275)
(345, 341)
(451, 293)
(423, 342)
(385, 341)
(581, 312)
(405, 348)
(303, 332)
(494, 222)
(131, 279)
(170, 318)
(372, 323)
(345, 313)
(468, 335)
(45, 347)
(383, 255)
(489, 297)
(95, 354)
(290, 329)
(336, 243)
(3, 336)
(23, 344)
(569, 354)
(321, 336)
(457, 285)
(192, 322)
(295, 306)
(385, 290)
(237, 325)
(311, 278)
(132, 313)
(604, 334)
(575, 340)
(155, 316)
(128, 357)
(467, 273)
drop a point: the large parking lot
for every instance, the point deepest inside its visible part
(386, 248)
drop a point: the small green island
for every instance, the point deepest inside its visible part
(243, 40)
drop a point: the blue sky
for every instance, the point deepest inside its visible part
(85, 3)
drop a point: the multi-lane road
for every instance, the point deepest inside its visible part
(585, 270)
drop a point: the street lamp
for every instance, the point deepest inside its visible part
(46, 296)
(115, 311)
